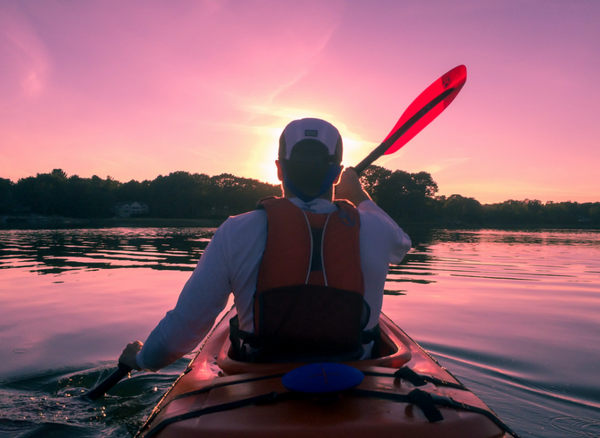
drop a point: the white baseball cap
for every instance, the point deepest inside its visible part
(311, 130)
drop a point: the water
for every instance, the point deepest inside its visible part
(513, 314)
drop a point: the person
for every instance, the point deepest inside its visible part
(307, 274)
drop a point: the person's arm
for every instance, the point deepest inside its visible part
(384, 230)
(202, 299)
(394, 238)
(350, 188)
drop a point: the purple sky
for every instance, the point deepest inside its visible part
(136, 89)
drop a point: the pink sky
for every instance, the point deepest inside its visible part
(137, 89)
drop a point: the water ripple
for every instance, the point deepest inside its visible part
(576, 427)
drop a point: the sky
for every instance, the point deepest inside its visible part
(136, 89)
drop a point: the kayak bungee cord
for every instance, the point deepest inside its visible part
(425, 400)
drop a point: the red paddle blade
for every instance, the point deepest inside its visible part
(449, 84)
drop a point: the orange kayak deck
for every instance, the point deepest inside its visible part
(218, 396)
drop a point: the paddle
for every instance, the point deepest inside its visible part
(107, 383)
(426, 107)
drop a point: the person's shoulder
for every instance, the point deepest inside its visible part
(241, 233)
(379, 230)
(243, 221)
(369, 208)
(372, 214)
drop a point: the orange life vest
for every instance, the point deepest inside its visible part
(309, 301)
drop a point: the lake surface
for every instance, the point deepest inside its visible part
(515, 315)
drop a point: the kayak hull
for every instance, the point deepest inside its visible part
(218, 397)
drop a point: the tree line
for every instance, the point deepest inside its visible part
(412, 197)
(407, 197)
(177, 195)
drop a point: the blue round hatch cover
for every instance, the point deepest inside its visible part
(320, 378)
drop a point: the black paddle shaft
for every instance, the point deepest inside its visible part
(106, 384)
(383, 147)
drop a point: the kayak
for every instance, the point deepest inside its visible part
(403, 392)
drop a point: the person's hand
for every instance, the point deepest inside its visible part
(350, 188)
(129, 353)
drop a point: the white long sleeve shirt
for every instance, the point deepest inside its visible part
(231, 262)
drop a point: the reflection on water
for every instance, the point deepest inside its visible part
(513, 314)
(56, 251)
(501, 255)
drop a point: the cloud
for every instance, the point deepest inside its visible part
(25, 60)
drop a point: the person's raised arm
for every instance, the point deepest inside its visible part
(350, 188)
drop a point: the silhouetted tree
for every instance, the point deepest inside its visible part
(181, 194)
(59, 174)
(594, 213)
(404, 196)
(134, 191)
(240, 194)
(7, 202)
(460, 209)
(178, 195)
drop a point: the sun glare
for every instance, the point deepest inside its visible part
(261, 163)
(355, 149)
